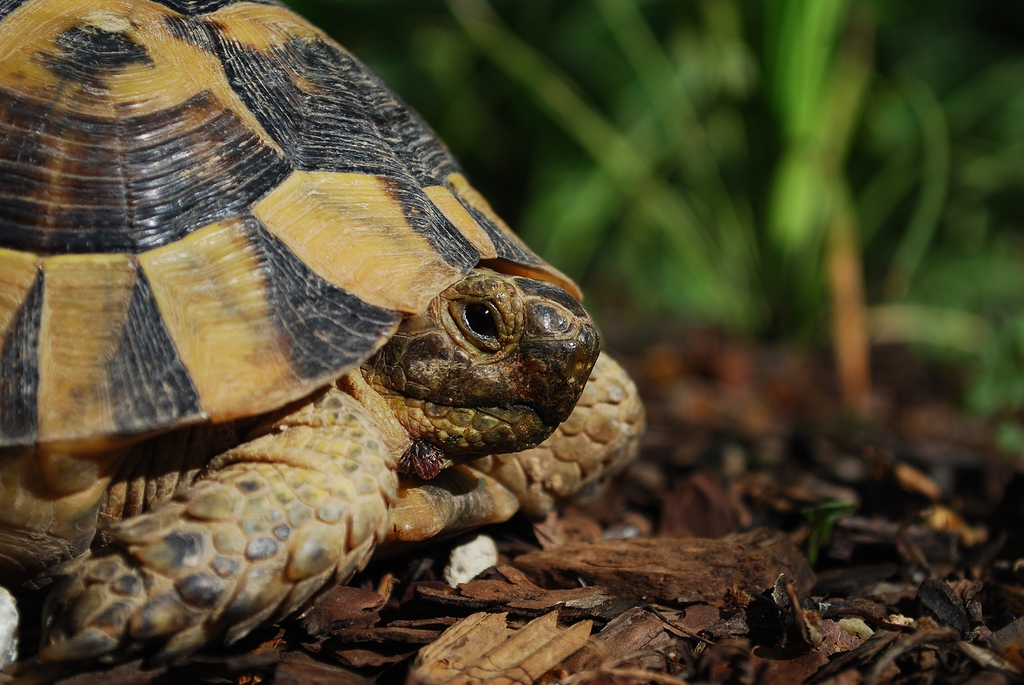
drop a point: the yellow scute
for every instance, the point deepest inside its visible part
(85, 307)
(211, 292)
(351, 230)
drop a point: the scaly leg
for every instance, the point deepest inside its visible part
(275, 521)
(600, 438)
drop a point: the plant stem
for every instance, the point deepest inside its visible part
(849, 323)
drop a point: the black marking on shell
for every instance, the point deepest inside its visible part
(426, 219)
(191, 8)
(197, 33)
(506, 247)
(160, 616)
(149, 386)
(249, 486)
(19, 371)
(326, 328)
(225, 566)
(341, 118)
(75, 183)
(87, 54)
(8, 6)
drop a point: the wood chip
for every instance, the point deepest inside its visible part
(411, 636)
(788, 671)
(519, 596)
(358, 657)
(701, 505)
(483, 649)
(631, 632)
(296, 668)
(699, 617)
(674, 570)
(343, 607)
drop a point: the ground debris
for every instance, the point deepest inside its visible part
(515, 594)
(483, 649)
(343, 607)
(686, 569)
(693, 566)
(637, 638)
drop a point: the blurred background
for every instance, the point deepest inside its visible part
(835, 173)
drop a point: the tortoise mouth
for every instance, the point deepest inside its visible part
(464, 433)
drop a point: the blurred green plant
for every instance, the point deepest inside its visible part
(820, 520)
(752, 165)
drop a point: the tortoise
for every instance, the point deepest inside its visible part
(244, 290)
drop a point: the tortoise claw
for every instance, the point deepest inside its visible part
(87, 609)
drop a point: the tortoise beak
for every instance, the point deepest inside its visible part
(560, 346)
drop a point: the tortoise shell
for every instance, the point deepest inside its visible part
(208, 209)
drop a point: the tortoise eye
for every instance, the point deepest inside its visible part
(480, 319)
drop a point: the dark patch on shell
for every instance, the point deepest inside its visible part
(505, 246)
(149, 385)
(197, 33)
(326, 327)
(8, 6)
(87, 54)
(331, 113)
(127, 585)
(78, 183)
(19, 371)
(193, 7)
(261, 548)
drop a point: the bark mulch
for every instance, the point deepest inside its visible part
(761, 538)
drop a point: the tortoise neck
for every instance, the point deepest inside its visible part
(396, 436)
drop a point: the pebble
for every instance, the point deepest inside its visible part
(856, 626)
(470, 559)
(8, 629)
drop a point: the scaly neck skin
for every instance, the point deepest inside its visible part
(396, 436)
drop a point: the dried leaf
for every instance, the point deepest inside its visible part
(343, 607)
(939, 600)
(1009, 642)
(788, 671)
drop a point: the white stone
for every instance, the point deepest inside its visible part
(856, 626)
(8, 629)
(470, 559)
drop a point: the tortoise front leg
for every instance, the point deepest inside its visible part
(276, 520)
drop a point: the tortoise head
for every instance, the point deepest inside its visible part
(493, 365)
